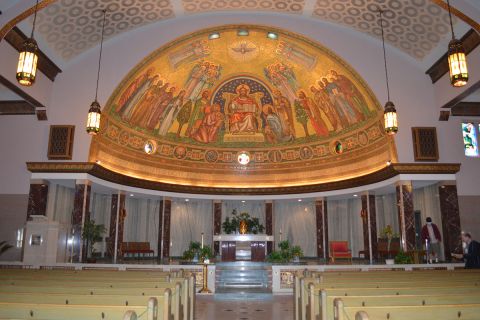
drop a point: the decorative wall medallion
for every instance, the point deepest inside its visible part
(243, 158)
(211, 156)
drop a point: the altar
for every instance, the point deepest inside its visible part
(250, 247)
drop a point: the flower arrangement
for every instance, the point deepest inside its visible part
(232, 225)
(387, 233)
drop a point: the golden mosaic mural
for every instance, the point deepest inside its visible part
(242, 106)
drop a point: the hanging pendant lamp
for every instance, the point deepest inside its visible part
(28, 58)
(94, 113)
(389, 113)
(457, 59)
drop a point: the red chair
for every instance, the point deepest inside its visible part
(339, 250)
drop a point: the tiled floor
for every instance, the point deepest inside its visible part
(280, 308)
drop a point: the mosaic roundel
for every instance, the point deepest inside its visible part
(300, 113)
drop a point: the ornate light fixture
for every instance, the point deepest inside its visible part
(457, 59)
(27, 61)
(390, 113)
(94, 114)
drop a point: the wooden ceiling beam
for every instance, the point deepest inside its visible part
(10, 107)
(467, 109)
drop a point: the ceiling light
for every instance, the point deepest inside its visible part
(355, 195)
(299, 200)
(94, 114)
(389, 162)
(213, 36)
(186, 200)
(272, 35)
(457, 59)
(131, 194)
(27, 60)
(243, 201)
(242, 32)
(390, 113)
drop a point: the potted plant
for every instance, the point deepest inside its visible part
(297, 253)
(91, 234)
(387, 233)
(286, 253)
(403, 258)
(195, 253)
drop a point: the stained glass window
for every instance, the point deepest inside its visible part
(470, 142)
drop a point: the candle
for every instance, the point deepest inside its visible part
(202, 240)
(280, 234)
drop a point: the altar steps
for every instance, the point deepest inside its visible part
(244, 294)
(243, 280)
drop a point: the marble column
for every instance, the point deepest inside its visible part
(117, 223)
(406, 218)
(450, 220)
(369, 222)
(160, 231)
(37, 198)
(167, 211)
(217, 224)
(269, 224)
(80, 215)
(322, 228)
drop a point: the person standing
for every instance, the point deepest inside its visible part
(472, 252)
(431, 235)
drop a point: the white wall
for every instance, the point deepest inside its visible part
(25, 139)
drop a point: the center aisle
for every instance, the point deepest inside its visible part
(279, 308)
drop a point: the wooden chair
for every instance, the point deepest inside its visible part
(339, 249)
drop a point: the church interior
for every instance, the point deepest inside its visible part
(239, 159)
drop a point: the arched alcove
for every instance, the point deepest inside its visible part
(300, 113)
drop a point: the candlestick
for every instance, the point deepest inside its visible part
(202, 240)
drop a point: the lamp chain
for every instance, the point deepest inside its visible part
(34, 19)
(384, 53)
(450, 16)
(101, 49)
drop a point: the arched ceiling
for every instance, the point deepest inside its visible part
(71, 27)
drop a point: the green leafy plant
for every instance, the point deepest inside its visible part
(195, 249)
(4, 246)
(285, 254)
(91, 234)
(230, 225)
(206, 253)
(403, 258)
(297, 251)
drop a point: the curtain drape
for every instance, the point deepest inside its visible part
(100, 210)
(141, 222)
(297, 222)
(63, 208)
(345, 223)
(188, 221)
(387, 212)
